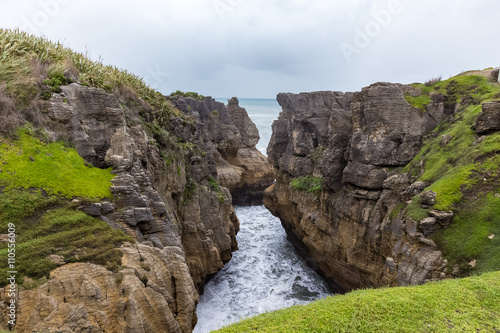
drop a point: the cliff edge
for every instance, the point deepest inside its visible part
(116, 193)
(374, 187)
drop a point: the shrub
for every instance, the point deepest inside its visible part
(191, 94)
(433, 81)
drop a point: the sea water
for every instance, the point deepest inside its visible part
(266, 273)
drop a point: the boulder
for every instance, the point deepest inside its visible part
(429, 225)
(428, 198)
(489, 119)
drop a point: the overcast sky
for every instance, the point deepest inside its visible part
(258, 48)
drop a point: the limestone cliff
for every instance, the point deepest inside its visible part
(369, 224)
(233, 136)
(166, 195)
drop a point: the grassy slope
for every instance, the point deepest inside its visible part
(464, 175)
(35, 198)
(27, 61)
(462, 305)
(28, 162)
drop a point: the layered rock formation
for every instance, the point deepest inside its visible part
(165, 195)
(240, 166)
(354, 143)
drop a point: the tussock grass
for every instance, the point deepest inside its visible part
(461, 305)
(27, 60)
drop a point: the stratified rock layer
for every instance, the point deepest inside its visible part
(240, 166)
(165, 195)
(353, 142)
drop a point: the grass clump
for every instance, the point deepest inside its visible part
(461, 305)
(308, 184)
(54, 81)
(420, 101)
(46, 225)
(215, 186)
(30, 163)
(415, 211)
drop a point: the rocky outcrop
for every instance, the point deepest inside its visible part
(153, 292)
(165, 195)
(352, 231)
(489, 119)
(240, 166)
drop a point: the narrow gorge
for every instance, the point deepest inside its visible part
(122, 198)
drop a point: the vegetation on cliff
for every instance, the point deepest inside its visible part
(57, 169)
(28, 63)
(47, 225)
(37, 180)
(461, 167)
(461, 305)
(308, 184)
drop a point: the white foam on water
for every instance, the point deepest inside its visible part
(265, 274)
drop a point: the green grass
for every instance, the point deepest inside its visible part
(461, 305)
(450, 169)
(215, 186)
(467, 238)
(47, 225)
(308, 184)
(28, 162)
(420, 101)
(465, 89)
(415, 211)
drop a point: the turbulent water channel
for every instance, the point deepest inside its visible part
(266, 273)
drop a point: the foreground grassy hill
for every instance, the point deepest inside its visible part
(460, 305)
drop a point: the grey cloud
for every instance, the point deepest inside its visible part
(261, 47)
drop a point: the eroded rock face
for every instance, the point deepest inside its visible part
(164, 196)
(241, 168)
(311, 135)
(352, 232)
(153, 293)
